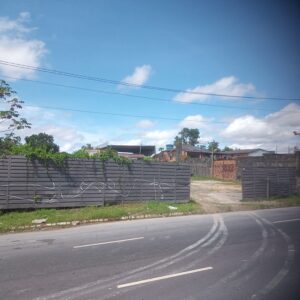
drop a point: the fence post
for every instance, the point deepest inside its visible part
(212, 163)
(297, 154)
(175, 187)
(142, 180)
(268, 187)
(8, 181)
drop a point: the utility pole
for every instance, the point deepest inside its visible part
(178, 150)
(212, 162)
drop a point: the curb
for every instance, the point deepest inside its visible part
(93, 221)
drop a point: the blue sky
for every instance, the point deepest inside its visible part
(242, 48)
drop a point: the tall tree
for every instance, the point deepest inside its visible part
(10, 119)
(8, 142)
(213, 146)
(226, 148)
(43, 141)
(188, 136)
(87, 147)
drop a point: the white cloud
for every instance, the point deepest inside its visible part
(144, 124)
(63, 133)
(159, 138)
(16, 46)
(17, 26)
(160, 134)
(140, 76)
(225, 86)
(288, 116)
(126, 142)
(195, 121)
(269, 132)
(248, 127)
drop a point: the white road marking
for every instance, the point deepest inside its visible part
(110, 242)
(163, 277)
(283, 221)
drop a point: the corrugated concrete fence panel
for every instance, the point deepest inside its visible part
(81, 182)
(199, 167)
(264, 182)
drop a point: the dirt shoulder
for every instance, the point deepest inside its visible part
(220, 196)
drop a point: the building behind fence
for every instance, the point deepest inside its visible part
(222, 169)
(82, 182)
(225, 169)
(199, 167)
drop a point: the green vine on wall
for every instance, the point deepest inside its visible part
(60, 159)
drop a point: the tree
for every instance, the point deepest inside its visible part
(8, 142)
(226, 148)
(188, 136)
(87, 147)
(10, 119)
(213, 146)
(42, 141)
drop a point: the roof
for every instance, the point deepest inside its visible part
(135, 149)
(190, 148)
(243, 151)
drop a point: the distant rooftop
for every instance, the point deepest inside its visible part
(146, 150)
(244, 151)
(190, 148)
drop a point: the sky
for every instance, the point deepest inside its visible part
(184, 49)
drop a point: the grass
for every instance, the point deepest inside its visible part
(273, 202)
(14, 219)
(205, 178)
(199, 178)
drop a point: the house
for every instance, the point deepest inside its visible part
(187, 152)
(129, 151)
(234, 154)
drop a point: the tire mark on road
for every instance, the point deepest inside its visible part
(281, 274)
(90, 287)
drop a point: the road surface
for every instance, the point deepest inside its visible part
(244, 255)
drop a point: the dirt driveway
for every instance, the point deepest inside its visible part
(216, 196)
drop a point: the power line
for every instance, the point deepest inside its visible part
(110, 81)
(134, 96)
(118, 114)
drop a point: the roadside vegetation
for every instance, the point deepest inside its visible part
(13, 220)
(205, 178)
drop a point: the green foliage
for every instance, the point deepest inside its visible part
(59, 159)
(37, 198)
(108, 154)
(10, 117)
(148, 159)
(226, 148)
(42, 141)
(7, 143)
(188, 136)
(213, 146)
(87, 147)
(81, 153)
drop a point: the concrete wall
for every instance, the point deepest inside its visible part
(269, 175)
(30, 184)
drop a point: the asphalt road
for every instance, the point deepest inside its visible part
(247, 255)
